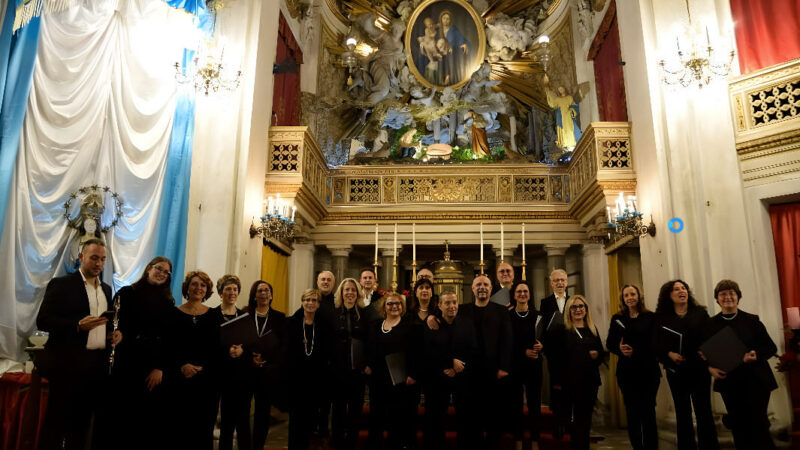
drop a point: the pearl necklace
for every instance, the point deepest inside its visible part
(732, 317)
(385, 331)
(522, 316)
(305, 339)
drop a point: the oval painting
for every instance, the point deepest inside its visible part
(445, 43)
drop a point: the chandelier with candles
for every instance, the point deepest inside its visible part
(626, 221)
(277, 223)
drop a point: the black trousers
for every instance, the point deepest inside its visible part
(195, 401)
(488, 409)
(438, 393)
(529, 382)
(348, 401)
(262, 408)
(388, 411)
(747, 415)
(234, 415)
(693, 388)
(640, 408)
(143, 418)
(76, 391)
(580, 401)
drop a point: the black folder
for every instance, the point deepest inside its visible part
(396, 362)
(239, 331)
(724, 350)
(673, 339)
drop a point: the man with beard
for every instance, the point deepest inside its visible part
(492, 363)
(552, 308)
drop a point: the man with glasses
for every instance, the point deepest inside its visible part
(552, 308)
(505, 279)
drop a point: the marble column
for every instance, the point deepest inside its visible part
(539, 277)
(556, 257)
(387, 258)
(301, 274)
(596, 290)
(339, 255)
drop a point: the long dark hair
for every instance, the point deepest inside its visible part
(665, 305)
(413, 302)
(164, 289)
(640, 307)
(531, 303)
(251, 301)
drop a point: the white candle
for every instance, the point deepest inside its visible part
(630, 205)
(502, 244)
(633, 201)
(523, 242)
(481, 241)
(793, 314)
(608, 210)
(414, 242)
(294, 210)
(271, 203)
(394, 258)
(376, 243)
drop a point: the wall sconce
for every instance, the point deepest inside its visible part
(541, 51)
(277, 222)
(627, 221)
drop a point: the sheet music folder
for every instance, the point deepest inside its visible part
(724, 350)
(396, 363)
(238, 331)
(673, 339)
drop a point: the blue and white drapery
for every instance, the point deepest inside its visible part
(103, 109)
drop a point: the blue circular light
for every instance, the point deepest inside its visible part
(675, 225)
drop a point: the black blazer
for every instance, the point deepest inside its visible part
(554, 350)
(495, 334)
(755, 337)
(548, 306)
(693, 327)
(65, 303)
(641, 369)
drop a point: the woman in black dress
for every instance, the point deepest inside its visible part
(266, 358)
(583, 355)
(390, 341)
(526, 363)
(680, 325)
(195, 344)
(310, 338)
(233, 372)
(141, 359)
(422, 304)
(350, 331)
(745, 389)
(630, 337)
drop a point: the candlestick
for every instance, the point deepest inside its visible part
(481, 245)
(413, 274)
(524, 277)
(523, 245)
(394, 249)
(376, 243)
(502, 244)
(394, 274)
(414, 243)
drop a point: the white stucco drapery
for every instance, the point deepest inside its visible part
(100, 112)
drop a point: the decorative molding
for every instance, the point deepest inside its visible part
(602, 31)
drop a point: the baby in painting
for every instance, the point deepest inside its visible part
(432, 48)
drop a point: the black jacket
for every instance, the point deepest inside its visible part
(755, 337)
(641, 367)
(494, 337)
(350, 335)
(144, 320)
(65, 303)
(553, 329)
(578, 369)
(450, 341)
(526, 332)
(692, 327)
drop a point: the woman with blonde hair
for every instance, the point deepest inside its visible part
(580, 369)
(630, 337)
(349, 329)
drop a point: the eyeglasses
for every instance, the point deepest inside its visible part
(577, 307)
(164, 271)
(393, 304)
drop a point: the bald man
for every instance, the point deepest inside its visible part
(425, 273)
(326, 282)
(505, 279)
(492, 361)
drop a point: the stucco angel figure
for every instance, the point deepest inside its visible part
(568, 130)
(386, 61)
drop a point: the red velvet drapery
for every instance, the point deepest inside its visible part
(767, 32)
(786, 234)
(286, 92)
(605, 52)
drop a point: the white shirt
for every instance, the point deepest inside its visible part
(367, 298)
(561, 302)
(98, 304)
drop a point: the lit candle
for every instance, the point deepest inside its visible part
(277, 204)
(294, 210)
(376, 243)
(394, 258)
(523, 242)
(608, 210)
(481, 241)
(413, 242)
(271, 204)
(630, 205)
(708, 39)
(633, 200)
(502, 244)
(793, 314)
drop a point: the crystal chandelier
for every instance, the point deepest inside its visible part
(625, 220)
(701, 65)
(207, 73)
(277, 223)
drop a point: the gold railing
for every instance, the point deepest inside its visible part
(766, 110)
(296, 167)
(603, 154)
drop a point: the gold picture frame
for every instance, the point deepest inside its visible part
(447, 58)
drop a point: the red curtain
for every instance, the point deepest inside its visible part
(286, 93)
(608, 76)
(786, 234)
(17, 397)
(767, 32)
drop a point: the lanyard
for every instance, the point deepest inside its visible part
(263, 327)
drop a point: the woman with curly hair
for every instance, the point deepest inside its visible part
(680, 319)
(194, 345)
(630, 337)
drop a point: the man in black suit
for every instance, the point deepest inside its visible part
(369, 283)
(552, 308)
(326, 283)
(76, 353)
(505, 279)
(492, 362)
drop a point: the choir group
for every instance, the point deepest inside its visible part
(173, 370)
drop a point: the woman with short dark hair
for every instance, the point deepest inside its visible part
(630, 337)
(745, 389)
(680, 326)
(194, 346)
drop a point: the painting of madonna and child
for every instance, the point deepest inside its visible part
(445, 42)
